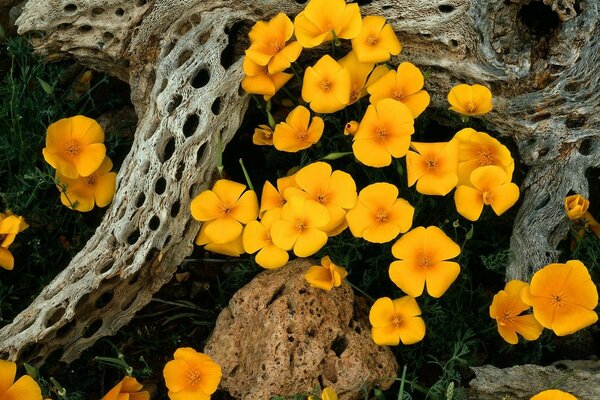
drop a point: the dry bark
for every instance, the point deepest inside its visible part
(181, 58)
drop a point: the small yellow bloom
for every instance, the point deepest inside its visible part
(326, 86)
(384, 132)
(258, 80)
(361, 75)
(404, 85)
(272, 198)
(327, 394)
(10, 226)
(576, 206)
(298, 132)
(263, 136)
(396, 320)
(490, 187)
(335, 190)
(478, 149)
(25, 388)
(506, 309)
(376, 41)
(83, 192)
(74, 146)
(321, 19)
(269, 45)
(233, 248)
(191, 375)
(301, 227)
(553, 394)
(224, 209)
(563, 297)
(434, 168)
(128, 389)
(326, 276)
(379, 215)
(470, 99)
(257, 237)
(423, 254)
(351, 128)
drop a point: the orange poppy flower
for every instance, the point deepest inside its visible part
(325, 276)
(191, 375)
(362, 75)
(10, 226)
(376, 42)
(263, 136)
(433, 168)
(470, 99)
(298, 132)
(259, 80)
(350, 128)
(233, 248)
(396, 321)
(576, 206)
(272, 197)
(326, 86)
(128, 389)
(257, 238)
(322, 19)
(327, 394)
(553, 395)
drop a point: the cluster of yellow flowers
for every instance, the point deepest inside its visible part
(10, 226)
(75, 148)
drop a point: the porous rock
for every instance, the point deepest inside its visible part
(279, 336)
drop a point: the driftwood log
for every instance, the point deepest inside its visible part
(182, 60)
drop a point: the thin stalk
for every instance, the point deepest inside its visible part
(248, 181)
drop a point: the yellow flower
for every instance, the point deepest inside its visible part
(269, 45)
(257, 237)
(433, 168)
(233, 248)
(351, 128)
(327, 394)
(224, 209)
(553, 395)
(301, 227)
(272, 197)
(478, 149)
(404, 85)
(10, 226)
(361, 75)
(326, 86)
(25, 388)
(263, 136)
(335, 190)
(470, 99)
(506, 309)
(576, 206)
(383, 133)
(379, 215)
(325, 276)
(83, 192)
(258, 80)
(423, 254)
(396, 320)
(298, 132)
(191, 375)
(74, 146)
(563, 297)
(376, 41)
(321, 19)
(128, 389)
(490, 187)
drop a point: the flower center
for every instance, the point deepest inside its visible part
(354, 95)
(72, 148)
(300, 226)
(381, 216)
(193, 376)
(470, 107)
(276, 46)
(371, 40)
(488, 197)
(91, 180)
(266, 70)
(381, 134)
(326, 85)
(485, 157)
(397, 321)
(431, 163)
(267, 134)
(321, 198)
(397, 94)
(506, 317)
(225, 208)
(301, 135)
(557, 299)
(424, 261)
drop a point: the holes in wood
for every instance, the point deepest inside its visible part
(179, 172)
(453, 42)
(140, 3)
(160, 186)
(175, 208)
(134, 278)
(572, 87)
(201, 78)
(133, 237)
(98, 11)
(55, 317)
(64, 330)
(203, 38)
(232, 53)
(70, 8)
(183, 57)
(541, 117)
(200, 153)
(545, 200)
(216, 106)
(108, 36)
(105, 268)
(141, 198)
(575, 120)
(92, 328)
(190, 125)
(154, 223)
(64, 26)
(446, 8)
(104, 299)
(538, 18)
(152, 255)
(174, 103)
(339, 345)
(119, 12)
(585, 148)
(85, 28)
(168, 150)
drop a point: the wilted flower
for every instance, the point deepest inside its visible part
(361, 75)
(350, 128)
(10, 226)
(233, 248)
(553, 394)
(298, 132)
(84, 192)
(263, 136)
(404, 85)
(128, 389)
(326, 86)
(396, 320)
(74, 146)
(379, 215)
(506, 309)
(384, 132)
(433, 168)
(259, 80)
(257, 237)
(25, 388)
(576, 206)
(272, 197)
(490, 187)
(224, 209)
(376, 41)
(325, 276)
(321, 19)
(423, 254)
(470, 99)
(191, 375)
(563, 297)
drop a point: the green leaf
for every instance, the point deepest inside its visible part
(469, 234)
(45, 86)
(335, 156)
(31, 370)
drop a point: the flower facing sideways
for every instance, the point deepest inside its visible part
(10, 226)
(433, 168)
(376, 41)
(272, 197)
(379, 215)
(25, 388)
(84, 192)
(298, 132)
(423, 254)
(74, 146)
(396, 321)
(325, 276)
(506, 309)
(224, 209)
(470, 99)
(563, 297)
(576, 206)
(322, 19)
(490, 187)
(257, 238)
(350, 128)
(191, 375)
(361, 75)
(233, 248)
(263, 136)
(259, 80)
(327, 394)
(326, 86)
(128, 389)
(553, 394)
(384, 132)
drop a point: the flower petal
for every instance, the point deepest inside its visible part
(408, 277)
(223, 230)
(469, 202)
(271, 257)
(309, 242)
(440, 276)
(26, 388)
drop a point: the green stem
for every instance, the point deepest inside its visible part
(353, 286)
(402, 380)
(220, 156)
(248, 181)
